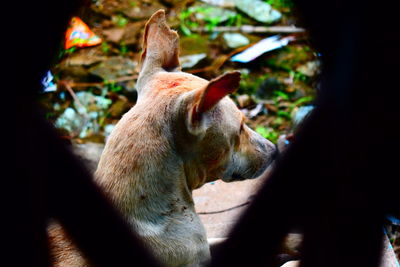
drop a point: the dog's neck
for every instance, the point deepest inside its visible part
(141, 171)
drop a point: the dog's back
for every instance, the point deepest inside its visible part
(142, 172)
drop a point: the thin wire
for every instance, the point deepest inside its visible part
(225, 210)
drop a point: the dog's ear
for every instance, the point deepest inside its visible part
(208, 97)
(160, 45)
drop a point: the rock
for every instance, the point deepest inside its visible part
(92, 102)
(244, 101)
(132, 31)
(93, 107)
(141, 10)
(83, 121)
(190, 61)
(211, 13)
(108, 129)
(133, 9)
(258, 10)
(69, 72)
(114, 34)
(127, 34)
(221, 3)
(70, 120)
(106, 7)
(234, 40)
(113, 67)
(299, 114)
(74, 66)
(84, 57)
(268, 86)
(310, 69)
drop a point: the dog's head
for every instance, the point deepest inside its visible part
(208, 131)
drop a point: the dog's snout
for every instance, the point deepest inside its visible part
(261, 142)
(269, 146)
(265, 145)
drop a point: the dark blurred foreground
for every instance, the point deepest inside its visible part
(339, 202)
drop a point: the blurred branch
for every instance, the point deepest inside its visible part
(251, 29)
(75, 84)
(67, 86)
(220, 60)
(81, 110)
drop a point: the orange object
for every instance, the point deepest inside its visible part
(79, 34)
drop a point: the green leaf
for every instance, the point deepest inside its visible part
(186, 31)
(282, 94)
(283, 114)
(123, 49)
(303, 100)
(105, 47)
(268, 133)
(121, 21)
(278, 121)
(262, 131)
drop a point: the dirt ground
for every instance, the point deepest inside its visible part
(220, 204)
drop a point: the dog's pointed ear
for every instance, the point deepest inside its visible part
(208, 97)
(160, 44)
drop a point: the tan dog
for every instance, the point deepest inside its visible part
(182, 133)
